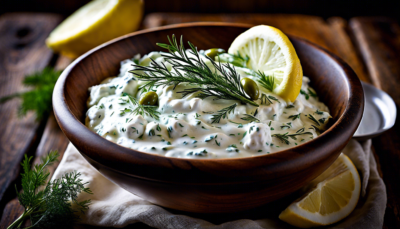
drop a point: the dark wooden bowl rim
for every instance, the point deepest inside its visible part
(297, 157)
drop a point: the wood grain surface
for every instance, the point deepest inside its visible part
(22, 51)
(376, 38)
(379, 43)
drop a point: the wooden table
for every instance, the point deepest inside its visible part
(371, 46)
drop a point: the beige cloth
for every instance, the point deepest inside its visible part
(116, 207)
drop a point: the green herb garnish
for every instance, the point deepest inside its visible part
(39, 98)
(137, 109)
(294, 117)
(250, 118)
(223, 113)
(236, 60)
(221, 84)
(48, 203)
(284, 137)
(266, 81)
(313, 119)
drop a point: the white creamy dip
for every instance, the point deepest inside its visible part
(185, 130)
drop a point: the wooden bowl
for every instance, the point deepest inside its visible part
(208, 185)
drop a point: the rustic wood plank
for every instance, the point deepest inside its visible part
(379, 43)
(22, 51)
(329, 34)
(52, 139)
(11, 212)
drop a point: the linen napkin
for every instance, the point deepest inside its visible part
(113, 206)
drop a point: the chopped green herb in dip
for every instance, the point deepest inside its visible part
(222, 128)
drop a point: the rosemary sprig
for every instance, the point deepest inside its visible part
(285, 137)
(266, 81)
(250, 118)
(223, 113)
(224, 83)
(137, 109)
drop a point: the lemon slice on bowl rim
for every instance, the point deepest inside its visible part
(330, 197)
(93, 24)
(270, 51)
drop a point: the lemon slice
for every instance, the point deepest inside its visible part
(331, 197)
(95, 23)
(271, 52)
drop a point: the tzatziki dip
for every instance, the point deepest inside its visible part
(196, 118)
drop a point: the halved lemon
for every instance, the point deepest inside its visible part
(95, 23)
(330, 197)
(271, 52)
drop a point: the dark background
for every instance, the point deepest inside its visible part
(323, 8)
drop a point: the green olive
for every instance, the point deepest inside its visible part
(148, 98)
(251, 88)
(212, 53)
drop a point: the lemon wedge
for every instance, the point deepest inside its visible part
(330, 197)
(270, 51)
(95, 23)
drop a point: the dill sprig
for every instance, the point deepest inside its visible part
(285, 137)
(236, 60)
(49, 205)
(294, 117)
(250, 118)
(318, 112)
(138, 109)
(223, 113)
(39, 98)
(316, 129)
(267, 98)
(312, 93)
(266, 81)
(224, 83)
(313, 119)
(264, 99)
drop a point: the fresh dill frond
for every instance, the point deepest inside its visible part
(306, 95)
(312, 93)
(224, 83)
(236, 60)
(266, 81)
(264, 99)
(318, 112)
(138, 109)
(49, 205)
(223, 113)
(285, 137)
(313, 119)
(250, 118)
(294, 117)
(273, 98)
(39, 98)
